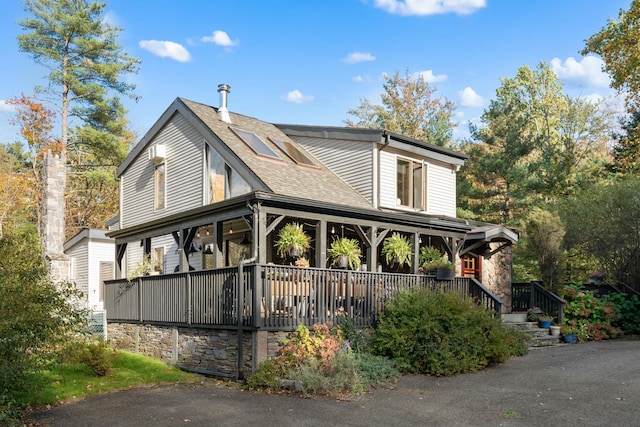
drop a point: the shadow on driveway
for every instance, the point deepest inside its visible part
(592, 384)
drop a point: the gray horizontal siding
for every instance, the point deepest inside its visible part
(351, 161)
(184, 176)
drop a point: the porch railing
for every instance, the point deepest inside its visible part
(276, 297)
(528, 295)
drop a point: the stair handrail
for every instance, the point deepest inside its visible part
(547, 301)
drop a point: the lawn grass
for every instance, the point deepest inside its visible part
(76, 381)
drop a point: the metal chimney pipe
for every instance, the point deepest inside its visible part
(223, 111)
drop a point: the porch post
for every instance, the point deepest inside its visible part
(321, 244)
(372, 250)
(416, 252)
(261, 235)
(183, 260)
(218, 262)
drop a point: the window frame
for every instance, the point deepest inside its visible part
(233, 181)
(410, 180)
(160, 186)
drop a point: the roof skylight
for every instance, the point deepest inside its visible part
(292, 151)
(255, 143)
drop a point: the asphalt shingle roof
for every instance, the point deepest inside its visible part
(284, 176)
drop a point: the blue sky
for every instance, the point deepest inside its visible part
(309, 62)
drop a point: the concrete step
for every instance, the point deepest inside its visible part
(540, 337)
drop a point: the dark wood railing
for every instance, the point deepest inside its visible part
(275, 297)
(525, 296)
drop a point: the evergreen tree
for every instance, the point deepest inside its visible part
(87, 68)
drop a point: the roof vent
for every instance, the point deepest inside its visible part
(223, 111)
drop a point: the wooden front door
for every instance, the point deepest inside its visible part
(472, 267)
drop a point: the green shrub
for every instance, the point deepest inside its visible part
(267, 375)
(318, 361)
(593, 317)
(339, 379)
(376, 370)
(438, 333)
(99, 357)
(628, 312)
(357, 337)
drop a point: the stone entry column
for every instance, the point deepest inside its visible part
(53, 224)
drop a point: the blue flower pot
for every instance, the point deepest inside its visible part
(544, 323)
(570, 338)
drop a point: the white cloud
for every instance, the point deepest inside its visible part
(594, 98)
(355, 57)
(469, 98)
(220, 38)
(588, 70)
(297, 97)
(429, 77)
(4, 107)
(361, 79)
(166, 49)
(430, 7)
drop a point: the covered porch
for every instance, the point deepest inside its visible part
(246, 227)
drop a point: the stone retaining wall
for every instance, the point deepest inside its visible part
(207, 351)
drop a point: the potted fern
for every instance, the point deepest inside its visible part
(429, 259)
(396, 249)
(292, 241)
(345, 253)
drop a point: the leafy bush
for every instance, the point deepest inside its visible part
(99, 357)
(338, 378)
(267, 375)
(592, 317)
(36, 316)
(376, 370)
(628, 312)
(440, 334)
(357, 338)
(320, 361)
(321, 343)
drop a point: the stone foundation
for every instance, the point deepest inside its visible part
(207, 351)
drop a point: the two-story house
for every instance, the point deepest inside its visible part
(190, 188)
(206, 188)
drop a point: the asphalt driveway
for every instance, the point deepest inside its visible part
(592, 384)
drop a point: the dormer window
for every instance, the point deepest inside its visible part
(411, 184)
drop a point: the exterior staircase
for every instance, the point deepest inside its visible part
(540, 337)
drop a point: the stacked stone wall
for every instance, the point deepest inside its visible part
(208, 351)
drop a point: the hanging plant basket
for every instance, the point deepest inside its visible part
(294, 252)
(342, 261)
(292, 241)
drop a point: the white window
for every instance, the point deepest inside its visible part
(411, 184)
(224, 182)
(160, 186)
